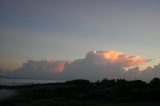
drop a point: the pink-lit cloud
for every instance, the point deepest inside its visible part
(116, 57)
(45, 65)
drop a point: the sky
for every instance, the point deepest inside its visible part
(67, 30)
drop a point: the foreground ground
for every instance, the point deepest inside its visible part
(6, 93)
(83, 93)
(130, 104)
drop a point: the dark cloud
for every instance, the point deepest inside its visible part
(150, 72)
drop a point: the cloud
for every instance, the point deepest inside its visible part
(109, 64)
(92, 70)
(150, 72)
(40, 69)
(45, 65)
(101, 64)
(95, 66)
(116, 57)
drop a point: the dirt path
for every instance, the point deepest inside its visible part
(6, 93)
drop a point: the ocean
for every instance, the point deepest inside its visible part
(14, 81)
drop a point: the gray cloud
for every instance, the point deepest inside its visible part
(94, 66)
(38, 69)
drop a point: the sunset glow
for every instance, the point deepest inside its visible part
(118, 57)
(75, 39)
(110, 55)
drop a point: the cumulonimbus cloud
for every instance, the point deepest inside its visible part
(116, 57)
(96, 65)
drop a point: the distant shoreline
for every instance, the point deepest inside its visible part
(15, 81)
(9, 77)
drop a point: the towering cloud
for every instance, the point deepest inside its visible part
(116, 57)
(96, 65)
(101, 64)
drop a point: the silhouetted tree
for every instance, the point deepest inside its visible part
(155, 82)
(138, 84)
(108, 83)
(79, 82)
(121, 83)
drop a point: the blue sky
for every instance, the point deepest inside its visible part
(68, 29)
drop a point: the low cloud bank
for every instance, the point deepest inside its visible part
(96, 65)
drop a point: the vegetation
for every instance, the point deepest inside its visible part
(83, 92)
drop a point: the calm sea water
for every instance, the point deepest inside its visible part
(11, 81)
